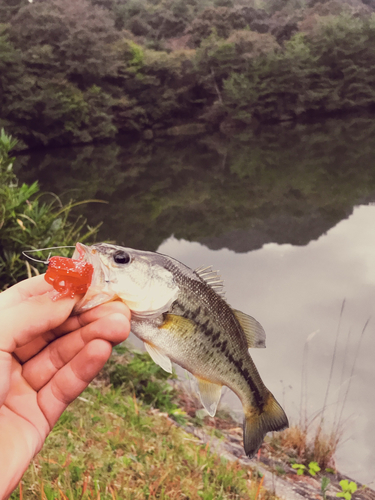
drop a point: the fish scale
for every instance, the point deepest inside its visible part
(182, 317)
(218, 338)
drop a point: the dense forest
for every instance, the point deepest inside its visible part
(78, 71)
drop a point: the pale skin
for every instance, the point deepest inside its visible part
(47, 358)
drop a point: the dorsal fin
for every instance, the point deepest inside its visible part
(254, 333)
(212, 278)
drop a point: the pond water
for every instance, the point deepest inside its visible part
(287, 216)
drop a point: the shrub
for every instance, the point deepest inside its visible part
(30, 219)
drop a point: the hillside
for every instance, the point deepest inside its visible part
(80, 71)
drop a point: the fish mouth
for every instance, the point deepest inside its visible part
(98, 291)
(90, 255)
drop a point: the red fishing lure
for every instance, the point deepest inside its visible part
(69, 277)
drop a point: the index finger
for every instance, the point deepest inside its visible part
(23, 291)
(73, 323)
(32, 317)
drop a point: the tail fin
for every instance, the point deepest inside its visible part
(256, 426)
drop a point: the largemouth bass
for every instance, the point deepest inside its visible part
(182, 317)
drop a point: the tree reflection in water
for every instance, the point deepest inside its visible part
(270, 204)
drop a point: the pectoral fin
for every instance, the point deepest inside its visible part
(210, 395)
(159, 357)
(177, 325)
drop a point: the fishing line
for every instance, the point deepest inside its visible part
(26, 252)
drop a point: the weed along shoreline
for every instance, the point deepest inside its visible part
(286, 484)
(276, 467)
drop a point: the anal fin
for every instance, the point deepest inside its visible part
(159, 357)
(210, 394)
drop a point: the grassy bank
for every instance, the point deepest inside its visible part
(112, 444)
(123, 439)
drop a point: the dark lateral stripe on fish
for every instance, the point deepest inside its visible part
(180, 306)
(188, 313)
(238, 363)
(194, 314)
(247, 376)
(215, 336)
(222, 346)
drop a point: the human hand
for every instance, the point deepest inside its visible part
(47, 358)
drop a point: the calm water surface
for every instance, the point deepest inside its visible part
(294, 292)
(287, 216)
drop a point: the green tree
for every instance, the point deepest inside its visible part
(215, 60)
(9, 8)
(233, 59)
(67, 38)
(218, 20)
(330, 68)
(11, 71)
(344, 47)
(61, 54)
(276, 85)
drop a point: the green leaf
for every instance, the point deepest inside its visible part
(344, 483)
(325, 482)
(330, 470)
(352, 487)
(314, 466)
(298, 466)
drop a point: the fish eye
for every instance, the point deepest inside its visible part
(121, 257)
